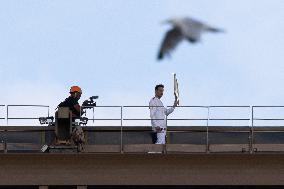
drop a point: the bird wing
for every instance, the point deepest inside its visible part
(192, 29)
(171, 40)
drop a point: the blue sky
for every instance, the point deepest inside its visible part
(109, 48)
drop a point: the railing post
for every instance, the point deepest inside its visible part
(121, 128)
(251, 130)
(7, 115)
(207, 130)
(167, 138)
(93, 115)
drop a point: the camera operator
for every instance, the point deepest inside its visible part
(72, 103)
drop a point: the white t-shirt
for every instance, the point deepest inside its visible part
(158, 113)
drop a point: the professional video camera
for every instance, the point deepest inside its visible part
(90, 103)
(87, 104)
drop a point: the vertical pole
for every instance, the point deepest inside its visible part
(207, 129)
(93, 115)
(251, 131)
(48, 111)
(167, 138)
(5, 132)
(121, 125)
(7, 114)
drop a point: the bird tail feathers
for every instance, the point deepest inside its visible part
(215, 30)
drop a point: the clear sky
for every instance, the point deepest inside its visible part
(109, 47)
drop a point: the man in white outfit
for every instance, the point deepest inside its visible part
(158, 115)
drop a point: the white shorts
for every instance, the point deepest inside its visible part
(161, 137)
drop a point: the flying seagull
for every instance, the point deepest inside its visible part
(183, 28)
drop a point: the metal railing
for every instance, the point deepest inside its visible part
(265, 119)
(207, 119)
(24, 118)
(122, 117)
(250, 117)
(255, 118)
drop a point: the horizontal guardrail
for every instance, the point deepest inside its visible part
(122, 108)
(24, 118)
(122, 117)
(251, 117)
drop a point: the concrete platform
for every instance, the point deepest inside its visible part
(141, 169)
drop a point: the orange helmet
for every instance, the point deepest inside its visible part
(74, 89)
